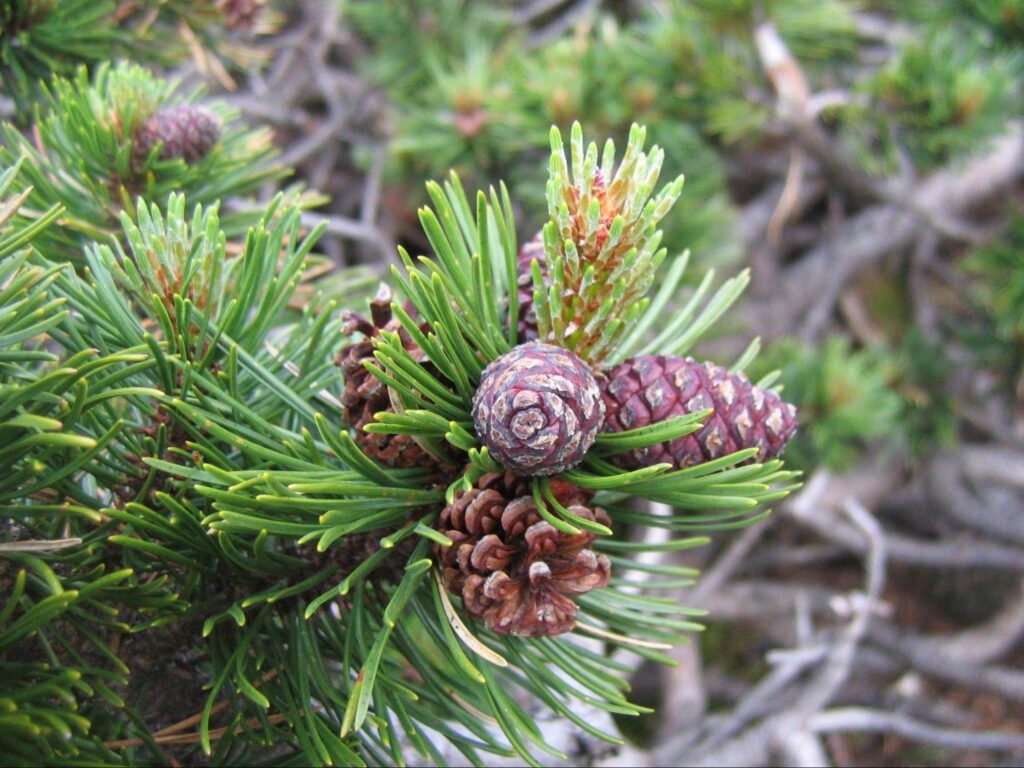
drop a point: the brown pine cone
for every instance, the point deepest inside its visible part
(649, 389)
(240, 14)
(513, 570)
(365, 395)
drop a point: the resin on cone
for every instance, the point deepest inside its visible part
(538, 409)
(649, 389)
(513, 570)
(187, 132)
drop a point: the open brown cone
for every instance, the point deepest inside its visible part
(514, 571)
(365, 395)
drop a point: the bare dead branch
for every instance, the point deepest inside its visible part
(814, 506)
(1005, 681)
(357, 230)
(969, 500)
(730, 560)
(801, 748)
(858, 719)
(811, 286)
(982, 644)
(307, 147)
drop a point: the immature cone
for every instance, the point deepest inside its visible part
(365, 394)
(538, 409)
(649, 389)
(514, 571)
(534, 249)
(188, 132)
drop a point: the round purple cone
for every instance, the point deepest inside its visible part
(538, 409)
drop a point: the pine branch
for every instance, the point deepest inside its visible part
(94, 151)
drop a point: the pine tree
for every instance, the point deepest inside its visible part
(100, 142)
(192, 483)
(249, 518)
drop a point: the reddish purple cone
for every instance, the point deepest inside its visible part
(534, 249)
(187, 132)
(649, 389)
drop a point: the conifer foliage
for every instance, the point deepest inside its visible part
(102, 141)
(185, 457)
(341, 540)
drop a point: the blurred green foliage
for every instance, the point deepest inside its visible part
(996, 334)
(843, 396)
(940, 97)
(998, 22)
(43, 39)
(852, 400)
(473, 93)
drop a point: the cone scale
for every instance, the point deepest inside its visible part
(513, 570)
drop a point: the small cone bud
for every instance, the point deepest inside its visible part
(186, 132)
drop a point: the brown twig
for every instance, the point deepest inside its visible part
(254, 723)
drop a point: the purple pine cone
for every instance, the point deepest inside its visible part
(534, 249)
(649, 389)
(538, 409)
(187, 132)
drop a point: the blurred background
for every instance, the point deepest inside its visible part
(865, 161)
